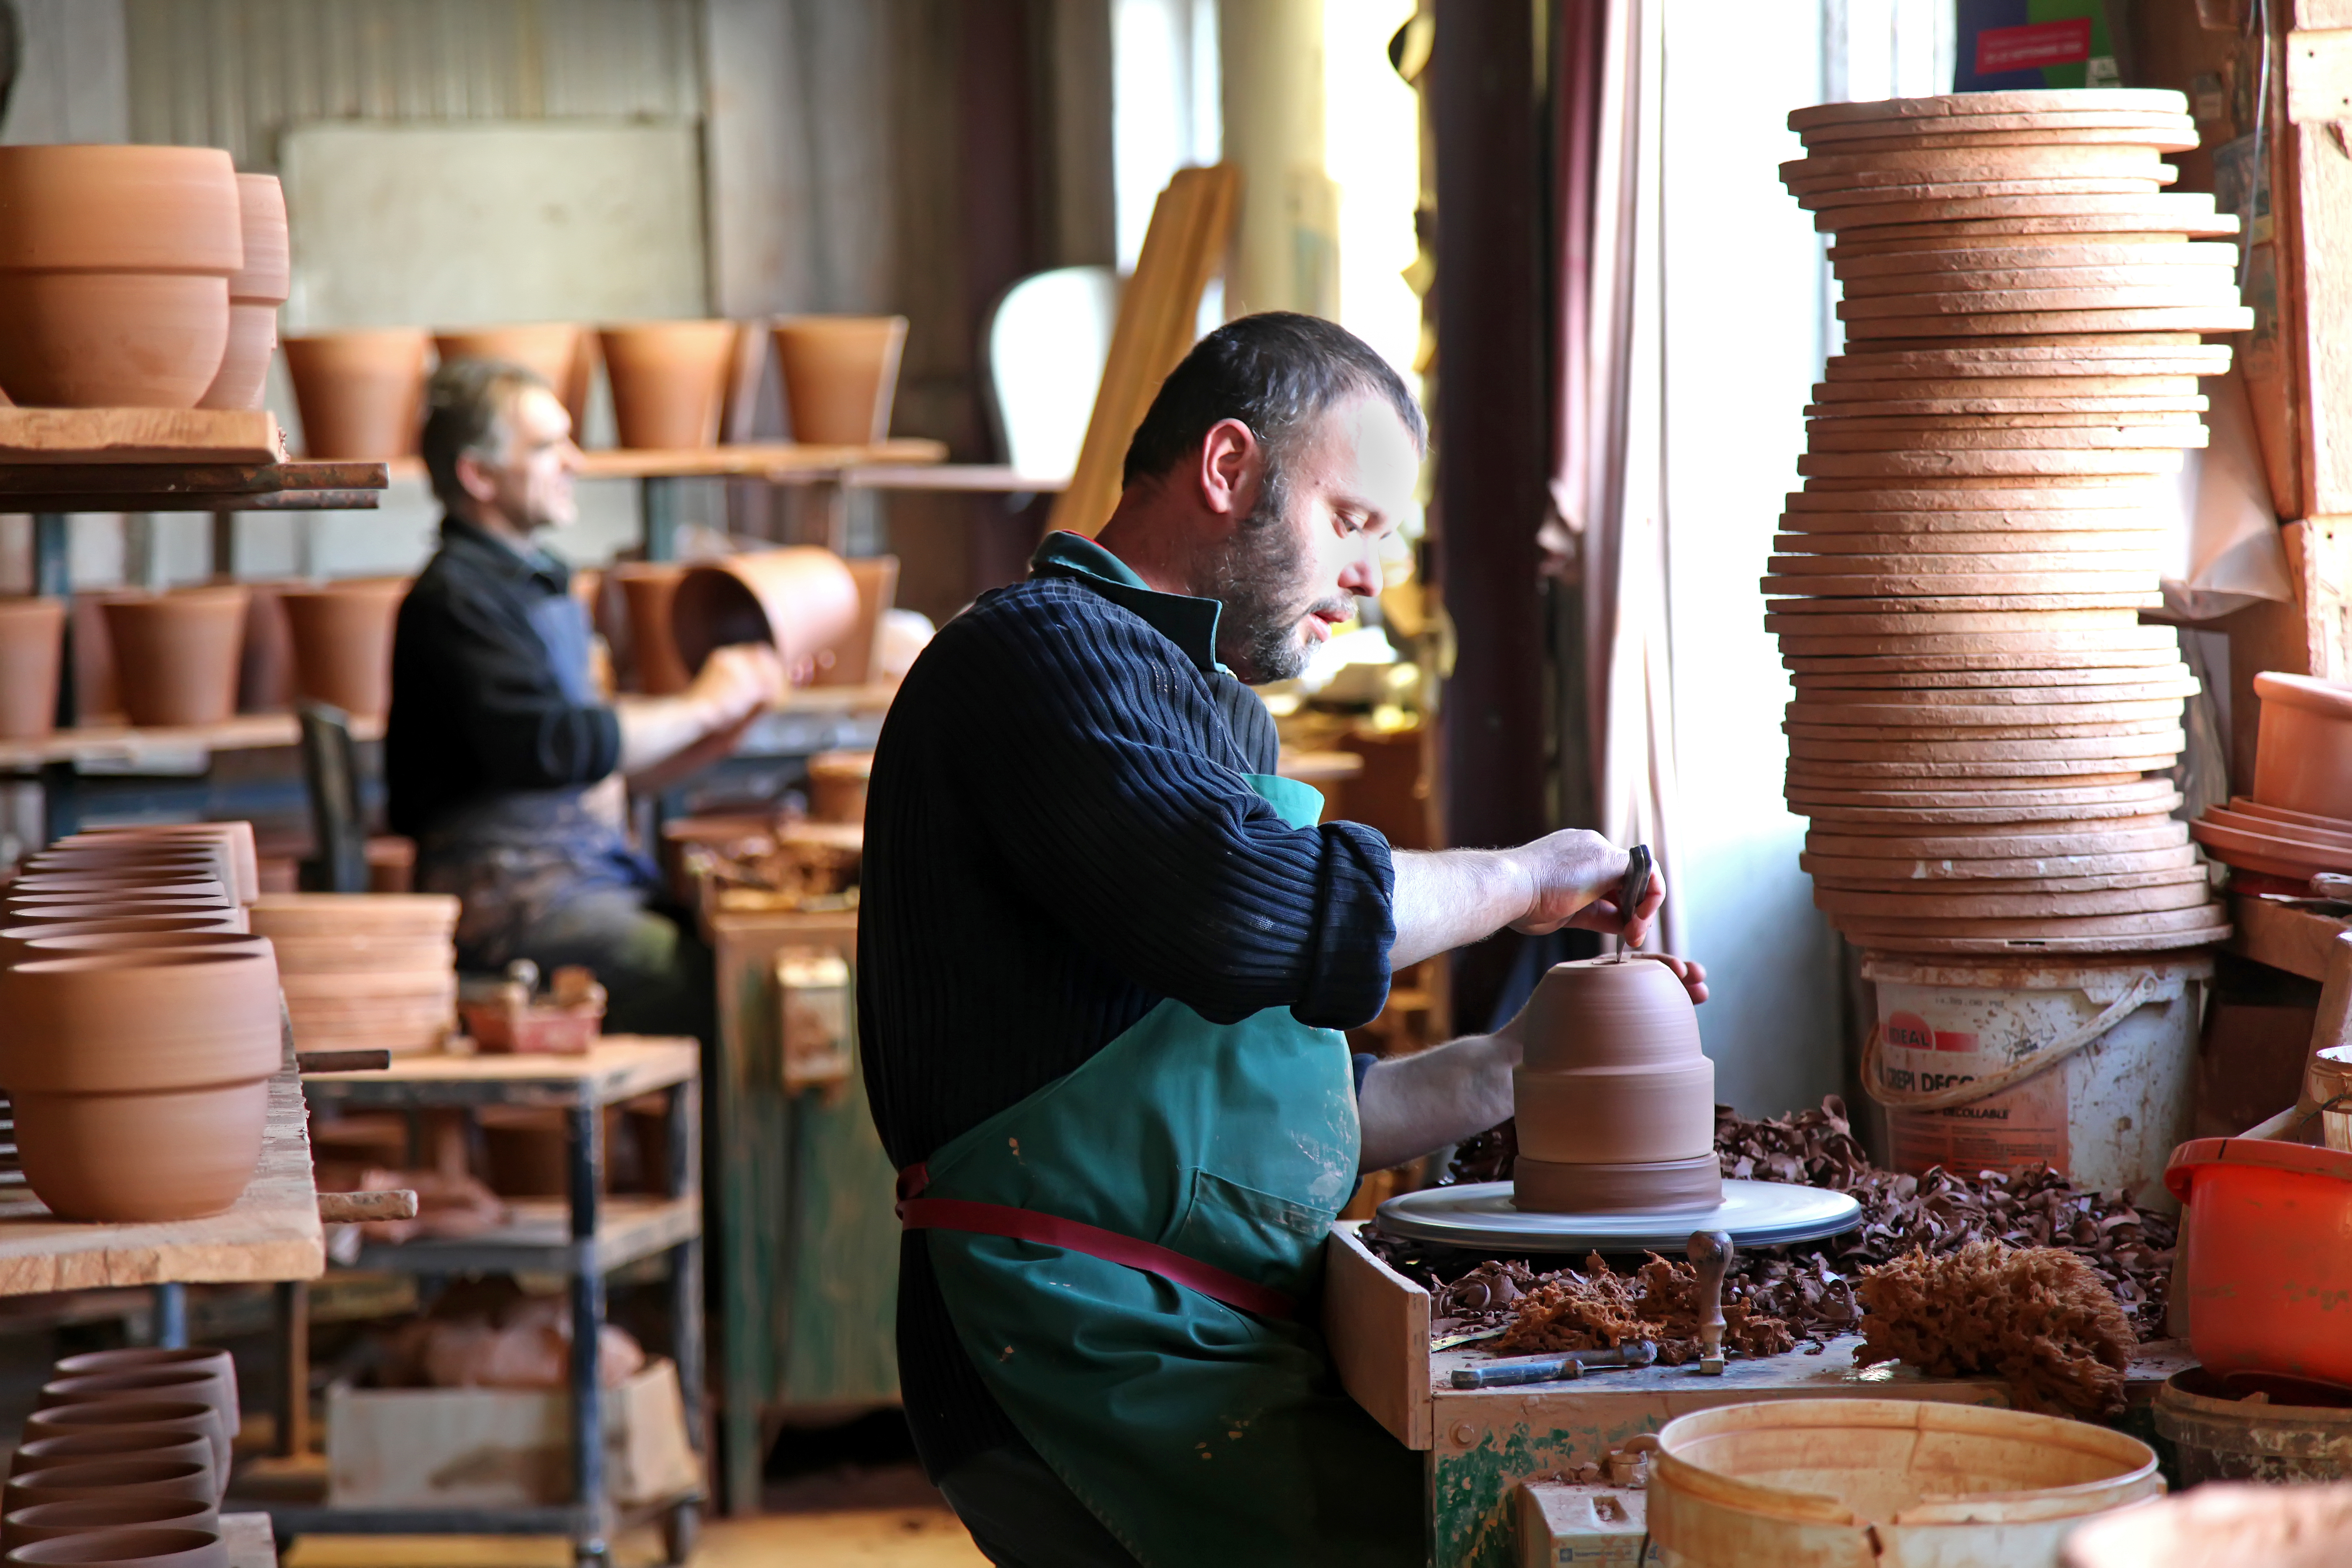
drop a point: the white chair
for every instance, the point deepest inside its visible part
(1046, 341)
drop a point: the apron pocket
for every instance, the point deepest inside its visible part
(1258, 1235)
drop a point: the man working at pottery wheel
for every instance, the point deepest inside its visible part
(502, 758)
(1105, 957)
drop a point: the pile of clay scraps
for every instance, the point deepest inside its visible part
(2037, 1317)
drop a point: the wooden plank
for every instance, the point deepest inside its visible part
(975, 479)
(537, 1234)
(621, 1066)
(125, 747)
(1377, 1323)
(41, 435)
(1192, 224)
(250, 1540)
(272, 1232)
(2275, 932)
(754, 458)
(2319, 76)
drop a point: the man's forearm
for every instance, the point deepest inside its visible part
(1413, 1104)
(655, 729)
(1448, 898)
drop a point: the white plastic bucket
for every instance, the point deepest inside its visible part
(2086, 1065)
(1884, 1483)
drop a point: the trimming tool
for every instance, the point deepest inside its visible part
(1639, 864)
(1710, 1254)
(1565, 1368)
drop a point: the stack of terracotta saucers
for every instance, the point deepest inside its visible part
(1957, 591)
(365, 970)
(2298, 822)
(144, 1023)
(128, 1452)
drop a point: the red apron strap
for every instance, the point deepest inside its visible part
(1053, 1230)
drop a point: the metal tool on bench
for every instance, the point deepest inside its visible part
(1639, 864)
(1710, 1254)
(1564, 1368)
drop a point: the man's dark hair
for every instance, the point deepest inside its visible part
(1277, 372)
(465, 407)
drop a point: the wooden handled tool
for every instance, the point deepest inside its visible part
(358, 1208)
(1710, 1254)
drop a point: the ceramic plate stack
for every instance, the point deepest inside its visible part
(365, 970)
(1959, 585)
(2298, 822)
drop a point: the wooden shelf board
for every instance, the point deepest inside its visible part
(975, 479)
(187, 486)
(122, 745)
(2277, 933)
(756, 459)
(622, 1066)
(536, 1237)
(250, 1540)
(45, 436)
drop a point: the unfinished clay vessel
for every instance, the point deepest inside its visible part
(187, 1416)
(648, 587)
(175, 655)
(669, 382)
(255, 292)
(127, 1477)
(134, 1548)
(360, 393)
(96, 700)
(112, 1443)
(219, 1363)
(800, 600)
(16, 940)
(191, 1381)
(49, 1521)
(264, 663)
(114, 269)
(31, 644)
(853, 662)
(1616, 1101)
(342, 635)
(563, 355)
(841, 374)
(237, 835)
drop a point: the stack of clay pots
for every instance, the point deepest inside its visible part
(1616, 1103)
(341, 638)
(125, 278)
(365, 970)
(127, 1453)
(1979, 712)
(2298, 822)
(143, 1022)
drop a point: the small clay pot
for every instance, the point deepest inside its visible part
(836, 785)
(187, 1416)
(360, 393)
(150, 1548)
(265, 664)
(32, 645)
(96, 698)
(135, 1358)
(648, 587)
(669, 382)
(17, 941)
(342, 636)
(801, 600)
(47, 1521)
(188, 1381)
(565, 355)
(112, 1443)
(255, 292)
(841, 374)
(236, 835)
(129, 1477)
(175, 655)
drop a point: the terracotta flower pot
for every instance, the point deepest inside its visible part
(31, 644)
(154, 1442)
(96, 698)
(669, 382)
(564, 354)
(841, 374)
(49, 1521)
(157, 1548)
(360, 393)
(114, 270)
(189, 1416)
(175, 655)
(236, 835)
(128, 1476)
(342, 636)
(264, 663)
(156, 1112)
(648, 587)
(191, 1380)
(801, 600)
(255, 292)
(2303, 757)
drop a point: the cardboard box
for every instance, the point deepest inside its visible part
(503, 1447)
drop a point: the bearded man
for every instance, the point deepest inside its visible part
(1105, 956)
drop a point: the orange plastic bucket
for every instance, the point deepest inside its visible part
(2269, 1235)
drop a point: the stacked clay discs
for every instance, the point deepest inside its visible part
(365, 970)
(1957, 587)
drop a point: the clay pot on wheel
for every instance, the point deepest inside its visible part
(360, 393)
(669, 382)
(156, 1112)
(32, 645)
(342, 636)
(648, 587)
(801, 600)
(841, 374)
(255, 292)
(155, 1548)
(47, 1521)
(129, 1477)
(114, 269)
(175, 655)
(562, 354)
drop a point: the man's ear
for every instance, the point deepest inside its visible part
(475, 479)
(1232, 461)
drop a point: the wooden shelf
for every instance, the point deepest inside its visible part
(537, 1238)
(43, 437)
(975, 478)
(2290, 934)
(124, 747)
(205, 485)
(757, 459)
(622, 1066)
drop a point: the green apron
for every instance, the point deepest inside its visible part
(1197, 1433)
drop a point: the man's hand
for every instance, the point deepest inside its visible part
(1444, 899)
(735, 683)
(1568, 874)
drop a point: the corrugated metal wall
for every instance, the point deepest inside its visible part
(236, 73)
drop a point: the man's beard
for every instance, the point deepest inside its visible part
(1260, 581)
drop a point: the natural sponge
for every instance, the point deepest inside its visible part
(2035, 1316)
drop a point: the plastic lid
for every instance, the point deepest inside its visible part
(2200, 1152)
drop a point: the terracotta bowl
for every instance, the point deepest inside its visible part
(135, 1358)
(801, 600)
(841, 375)
(648, 587)
(360, 393)
(114, 1443)
(2302, 759)
(111, 339)
(669, 382)
(32, 647)
(150, 882)
(247, 350)
(17, 941)
(194, 1416)
(175, 655)
(255, 292)
(563, 354)
(194, 1380)
(342, 636)
(237, 835)
(47, 1521)
(122, 1477)
(197, 860)
(155, 1548)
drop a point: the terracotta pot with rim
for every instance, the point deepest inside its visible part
(360, 393)
(96, 700)
(563, 353)
(175, 655)
(841, 375)
(129, 1475)
(669, 382)
(47, 1521)
(114, 269)
(160, 1547)
(236, 835)
(32, 647)
(255, 292)
(16, 940)
(185, 1415)
(342, 634)
(111, 1443)
(264, 663)
(191, 1380)
(2303, 753)
(648, 587)
(800, 600)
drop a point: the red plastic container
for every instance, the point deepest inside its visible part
(2270, 1255)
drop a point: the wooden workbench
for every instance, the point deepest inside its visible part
(2294, 934)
